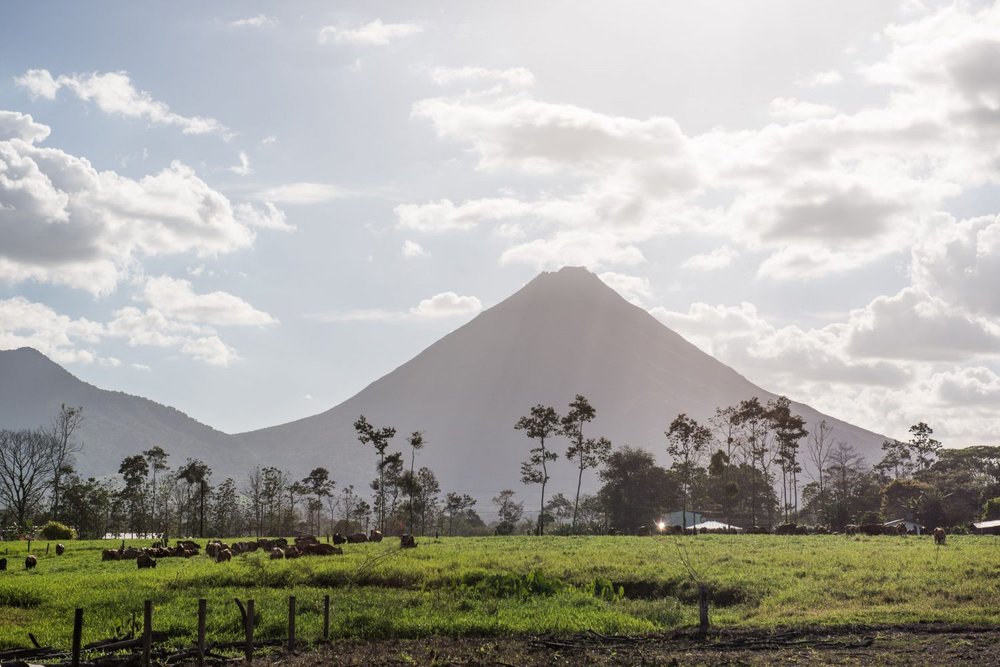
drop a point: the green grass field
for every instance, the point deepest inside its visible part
(502, 586)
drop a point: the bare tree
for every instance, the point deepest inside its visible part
(819, 445)
(62, 449)
(25, 470)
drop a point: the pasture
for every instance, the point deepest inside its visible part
(508, 586)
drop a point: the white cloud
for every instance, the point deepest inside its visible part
(412, 249)
(271, 217)
(717, 259)
(65, 340)
(514, 77)
(66, 223)
(303, 193)
(826, 78)
(176, 299)
(791, 109)
(443, 305)
(914, 325)
(375, 33)
(259, 21)
(243, 168)
(113, 93)
(960, 262)
(446, 304)
(269, 139)
(445, 216)
(634, 288)
(152, 328)
(574, 248)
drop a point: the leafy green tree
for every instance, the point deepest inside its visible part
(319, 485)
(788, 429)
(687, 441)
(379, 439)
(896, 461)
(509, 511)
(586, 453)
(635, 491)
(925, 448)
(409, 483)
(197, 473)
(456, 505)
(428, 490)
(542, 423)
(157, 460)
(134, 470)
(991, 510)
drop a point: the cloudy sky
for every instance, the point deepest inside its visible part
(251, 211)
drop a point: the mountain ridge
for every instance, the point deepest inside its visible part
(563, 333)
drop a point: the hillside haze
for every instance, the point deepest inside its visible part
(563, 333)
(115, 425)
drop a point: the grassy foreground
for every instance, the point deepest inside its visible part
(501, 586)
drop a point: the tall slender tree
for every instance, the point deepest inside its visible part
(687, 441)
(586, 453)
(379, 439)
(157, 460)
(196, 472)
(542, 423)
(62, 449)
(410, 483)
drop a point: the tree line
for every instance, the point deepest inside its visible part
(754, 464)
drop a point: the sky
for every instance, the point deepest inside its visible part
(249, 211)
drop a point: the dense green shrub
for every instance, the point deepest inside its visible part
(54, 530)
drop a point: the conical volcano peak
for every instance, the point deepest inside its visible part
(569, 282)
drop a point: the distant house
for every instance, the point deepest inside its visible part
(988, 527)
(716, 525)
(911, 526)
(674, 518)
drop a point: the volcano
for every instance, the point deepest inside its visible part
(562, 334)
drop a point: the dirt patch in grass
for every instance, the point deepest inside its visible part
(901, 645)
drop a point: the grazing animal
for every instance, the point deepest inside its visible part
(850, 529)
(60, 549)
(224, 556)
(109, 554)
(129, 554)
(901, 529)
(406, 541)
(355, 538)
(30, 562)
(145, 561)
(642, 531)
(339, 539)
(785, 529)
(3, 564)
(305, 540)
(375, 536)
(939, 535)
(321, 550)
(293, 552)
(277, 554)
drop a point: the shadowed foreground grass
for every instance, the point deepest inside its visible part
(501, 586)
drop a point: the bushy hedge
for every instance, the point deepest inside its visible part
(54, 530)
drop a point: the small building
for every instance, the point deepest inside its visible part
(716, 525)
(674, 518)
(988, 527)
(911, 526)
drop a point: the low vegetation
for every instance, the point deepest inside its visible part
(506, 586)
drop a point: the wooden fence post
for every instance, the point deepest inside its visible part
(77, 636)
(202, 613)
(147, 631)
(326, 618)
(291, 623)
(702, 608)
(248, 649)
